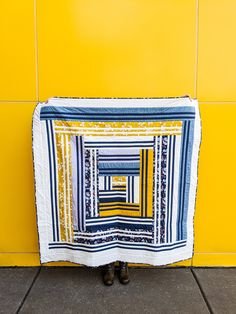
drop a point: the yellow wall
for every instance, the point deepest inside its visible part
(125, 48)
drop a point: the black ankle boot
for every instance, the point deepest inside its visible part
(123, 273)
(108, 274)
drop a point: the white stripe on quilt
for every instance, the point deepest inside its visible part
(169, 184)
(175, 191)
(118, 220)
(130, 191)
(101, 182)
(55, 202)
(109, 195)
(68, 188)
(91, 183)
(136, 188)
(74, 183)
(155, 194)
(167, 187)
(104, 139)
(99, 233)
(133, 218)
(64, 185)
(96, 179)
(116, 152)
(117, 128)
(159, 196)
(121, 102)
(125, 244)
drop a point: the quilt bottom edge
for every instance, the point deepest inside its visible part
(100, 259)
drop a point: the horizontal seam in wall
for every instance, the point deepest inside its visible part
(217, 102)
(19, 252)
(18, 101)
(200, 101)
(214, 253)
(194, 253)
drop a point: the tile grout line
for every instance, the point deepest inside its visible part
(28, 291)
(217, 102)
(36, 49)
(202, 102)
(19, 252)
(196, 49)
(17, 101)
(202, 291)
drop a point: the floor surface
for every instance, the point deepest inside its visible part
(151, 290)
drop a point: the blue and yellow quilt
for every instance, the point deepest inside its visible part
(116, 179)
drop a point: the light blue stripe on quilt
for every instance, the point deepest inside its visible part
(119, 111)
(185, 172)
(118, 165)
(78, 182)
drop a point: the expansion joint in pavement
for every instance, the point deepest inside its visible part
(202, 291)
(28, 291)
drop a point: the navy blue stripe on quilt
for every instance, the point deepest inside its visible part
(78, 181)
(51, 185)
(119, 244)
(53, 179)
(119, 172)
(116, 114)
(112, 199)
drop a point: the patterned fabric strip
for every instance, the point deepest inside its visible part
(146, 182)
(78, 182)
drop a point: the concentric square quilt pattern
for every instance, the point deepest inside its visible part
(116, 179)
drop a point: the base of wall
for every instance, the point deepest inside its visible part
(214, 259)
(19, 259)
(32, 259)
(198, 260)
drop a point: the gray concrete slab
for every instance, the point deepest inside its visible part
(81, 290)
(219, 287)
(14, 284)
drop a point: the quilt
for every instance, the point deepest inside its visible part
(116, 179)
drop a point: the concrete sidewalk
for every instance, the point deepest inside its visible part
(151, 290)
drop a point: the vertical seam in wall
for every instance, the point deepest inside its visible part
(36, 49)
(196, 51)
(196, 76)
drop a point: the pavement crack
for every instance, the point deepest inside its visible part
(28, 291)
(202, 291)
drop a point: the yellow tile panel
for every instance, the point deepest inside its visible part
(116, 48)
(17, 52)
(216, 205)
(18, 232)
(217, 51)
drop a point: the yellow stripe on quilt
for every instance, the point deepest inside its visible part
(152, 128)
(141, 183)
(150, 183)
(60, 175)
(119, 208)
(121, 179)
(64, 187)
(110, 204)
(120, 212)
